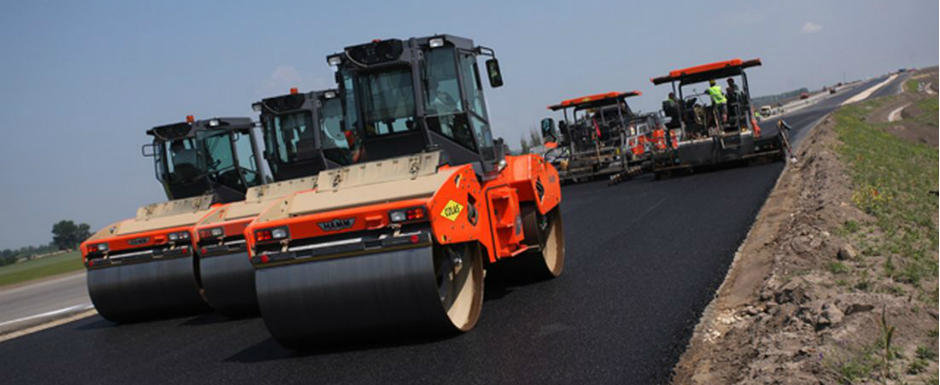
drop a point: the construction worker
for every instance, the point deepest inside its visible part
(719, 102)
(734, 99)
(671, 109)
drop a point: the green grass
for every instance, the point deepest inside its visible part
(917, 366)
(925, 353)
(838, 268)
(892, 179)
(858, 366)
(911, 85)
(928, 111)
(39, 268)
(851, 226)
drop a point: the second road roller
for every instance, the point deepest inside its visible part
(302, 136)
(397, 242)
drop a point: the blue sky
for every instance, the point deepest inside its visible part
(82, 81)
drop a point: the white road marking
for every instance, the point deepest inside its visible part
(865, 94)
(47, 325)
(895, 115)
(81, 307)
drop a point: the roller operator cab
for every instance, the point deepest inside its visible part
(144, 267)
(303, 135)
(597, 131)
(705, 133)
(396, 242)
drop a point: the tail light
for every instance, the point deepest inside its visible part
(407, 215)
(215, 232)
(272, 234)
(97, 248)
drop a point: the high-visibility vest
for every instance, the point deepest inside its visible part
(638, 145)
(717, 96)
(659, 139)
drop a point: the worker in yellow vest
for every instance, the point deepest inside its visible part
(719, 102)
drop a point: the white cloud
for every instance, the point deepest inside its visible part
(284, 77)
(811, 27)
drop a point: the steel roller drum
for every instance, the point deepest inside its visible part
(147, 290)
(348, 299)
(228, 282)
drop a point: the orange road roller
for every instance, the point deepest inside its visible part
(302, 136)
(397, 241)
(144, 267)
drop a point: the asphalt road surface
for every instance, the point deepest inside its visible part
(644, 259)
(23, 303)
(893, 87)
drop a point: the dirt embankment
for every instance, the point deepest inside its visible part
(822, 290)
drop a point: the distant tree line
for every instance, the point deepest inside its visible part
(8, 256)
(535, 140)
(65, 235)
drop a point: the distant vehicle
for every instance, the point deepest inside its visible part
(832, 90)
(766, 111)
(601, 137)
(804, 95)
(900, 70)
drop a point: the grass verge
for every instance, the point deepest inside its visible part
(894, 181)
(40, 268)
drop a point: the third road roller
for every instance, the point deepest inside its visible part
(145, 267)
(396, 242)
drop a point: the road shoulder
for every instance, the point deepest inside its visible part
(807, 300)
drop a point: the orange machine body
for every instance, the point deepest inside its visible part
(462, 208)
(142, 240)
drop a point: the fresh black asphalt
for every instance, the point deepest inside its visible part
(644, 259)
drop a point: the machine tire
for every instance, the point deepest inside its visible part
(545, 234)
(465, 307)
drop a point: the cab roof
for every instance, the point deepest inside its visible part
(596, 100)
(188, 128)
(708, 71)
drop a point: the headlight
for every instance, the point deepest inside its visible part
(436, 42)
(407, 215)
(256, 107)
(334, 60)
(397, 216)
(178, 236)
(217, 232)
